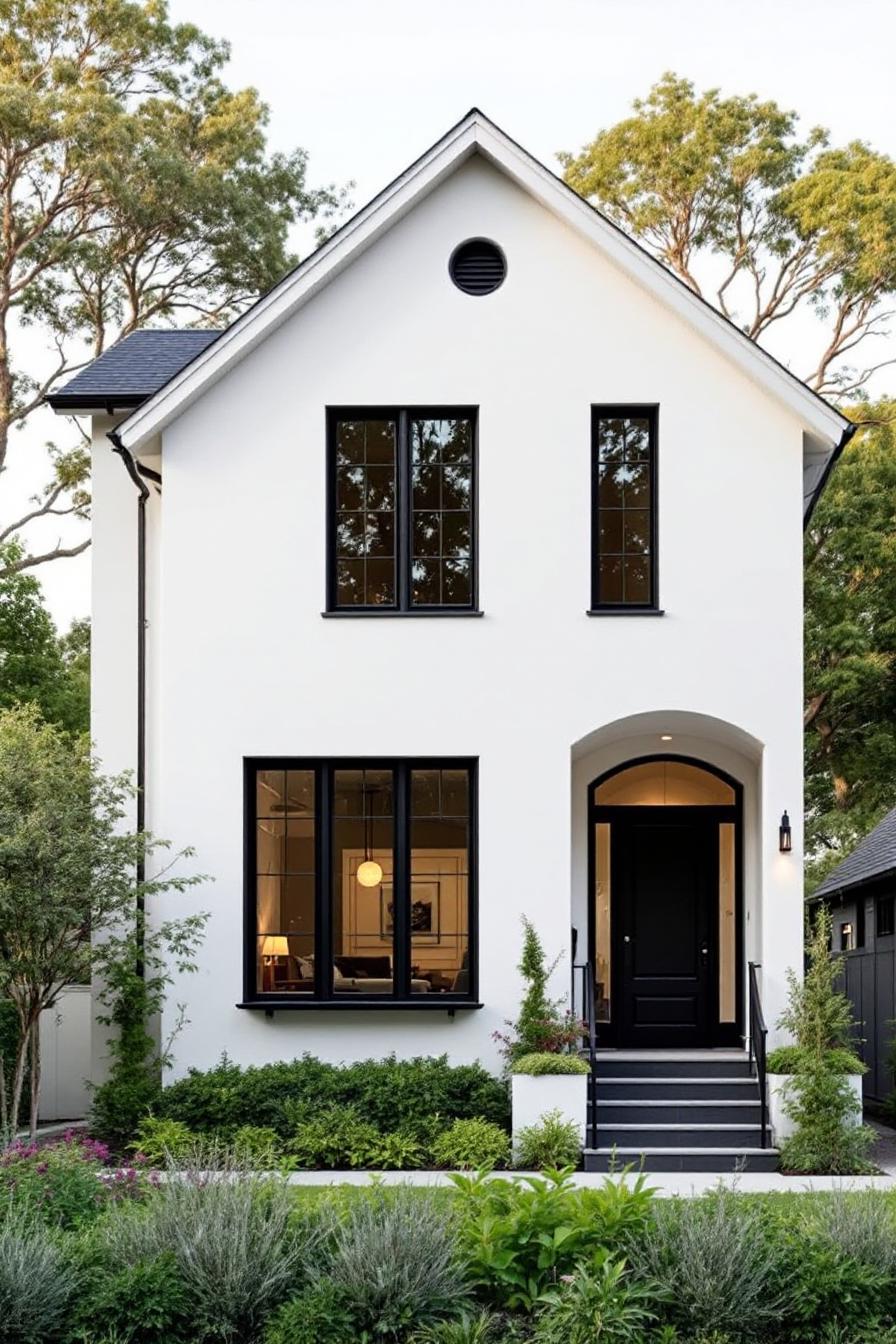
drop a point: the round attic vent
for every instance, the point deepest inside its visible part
(477, 266)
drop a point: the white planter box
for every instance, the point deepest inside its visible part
(779, 1121)
(532, 1098)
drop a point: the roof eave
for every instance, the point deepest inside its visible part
(111, 404)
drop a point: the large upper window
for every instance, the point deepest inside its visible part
(401, 532)
(360, 880)
(623, 504)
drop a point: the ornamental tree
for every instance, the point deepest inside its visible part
(68, 864)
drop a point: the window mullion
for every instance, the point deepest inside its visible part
(323, 923)
(401, 980)
(403, 512)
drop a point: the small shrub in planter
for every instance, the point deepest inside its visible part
(790, 1059)
(543, 1064)
(472, 1145)
(543, 1025)
(548, 1145)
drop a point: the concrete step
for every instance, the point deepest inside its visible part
(682, 1159)
(628, 1088)
(672, 1064)
(677, 1136)
(678, 1111)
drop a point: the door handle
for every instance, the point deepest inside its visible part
(626, 939)
(704, 950)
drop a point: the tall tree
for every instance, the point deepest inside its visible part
(37, 666)
(754, 217)
(850, 592)
(135, 188)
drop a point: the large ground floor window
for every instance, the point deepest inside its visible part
(360, 879)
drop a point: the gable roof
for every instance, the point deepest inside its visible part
(874, 857)
(130, 371)
(476, 134)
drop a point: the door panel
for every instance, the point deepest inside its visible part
(665, 875)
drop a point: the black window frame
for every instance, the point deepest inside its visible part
(887, 903)
(323, 996)
(623, 410)
(404, 510)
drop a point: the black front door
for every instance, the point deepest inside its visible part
(665, 892)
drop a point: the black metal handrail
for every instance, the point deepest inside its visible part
(758, 1051)
(588, 1017)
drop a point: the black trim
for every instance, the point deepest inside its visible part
(646, 411)
(324, 995)
(726, 1033)
(625, 611)
(403, 510)
(832, 461)
(433, 1003)
(103, 403)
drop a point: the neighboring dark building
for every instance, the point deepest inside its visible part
(861, 895)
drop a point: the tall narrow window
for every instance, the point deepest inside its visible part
(401, 532)
(623, 498)
(360, 880)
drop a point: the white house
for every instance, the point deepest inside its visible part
(471, 553)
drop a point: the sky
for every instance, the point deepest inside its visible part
(366, 85)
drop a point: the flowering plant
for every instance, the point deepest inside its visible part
(67, 1182)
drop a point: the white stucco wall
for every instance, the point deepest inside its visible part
(243, 664)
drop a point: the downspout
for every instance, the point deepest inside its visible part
(143, 495)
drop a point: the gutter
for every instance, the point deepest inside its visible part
(848, 433)
(134, 472)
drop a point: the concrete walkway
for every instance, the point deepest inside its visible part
(884, 1151)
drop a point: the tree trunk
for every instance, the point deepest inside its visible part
(35, 1077)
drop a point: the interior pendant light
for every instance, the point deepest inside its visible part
(369, 873)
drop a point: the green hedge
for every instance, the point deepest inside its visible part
(543, 1064)
(390, 1094)
(789, 1059)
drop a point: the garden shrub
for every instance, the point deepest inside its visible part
(38, 1280)
(792, 1059)
(159, 1139)
(257, 1146)
(335, 1137)
(519, 1237)
(472, 1145)
(390, 1094)
(543, 1025)
(715, 1259)
(396, 1259)
(319, 1316)
(65, 1183)
(480, 1328)
(599, 1301)
(238, 1244)
(143, 1303)
(552, 1142)
(543, 1062)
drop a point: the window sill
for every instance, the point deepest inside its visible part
(625, 611)
(427, 1002)
(384, 614)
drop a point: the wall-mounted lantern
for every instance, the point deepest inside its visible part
(784, 841)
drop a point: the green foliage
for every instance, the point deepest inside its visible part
(159, 1139)
(335, 1137)
(726, 188)
(716, 1262)
(543, 1026)
(600, 1301)
(143, 1303)
(255, 1145)
(552, 1142)
(60, 1182)
(829, 1137)
(38, 1279)
(850, 645)
(390, 1094)
(37, 666)
(395, 1258)
(538, 1065)
(791, 1059)
(319, 1316)
(139, 190)
(467, 1329)
(237, 1242)
(519, 1237)
(472, 1145)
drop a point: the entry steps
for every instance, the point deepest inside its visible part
(677, 1110)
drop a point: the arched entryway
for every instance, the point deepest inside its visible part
(666, 906)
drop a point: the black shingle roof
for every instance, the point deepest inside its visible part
(874, 857)
(130, 371)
